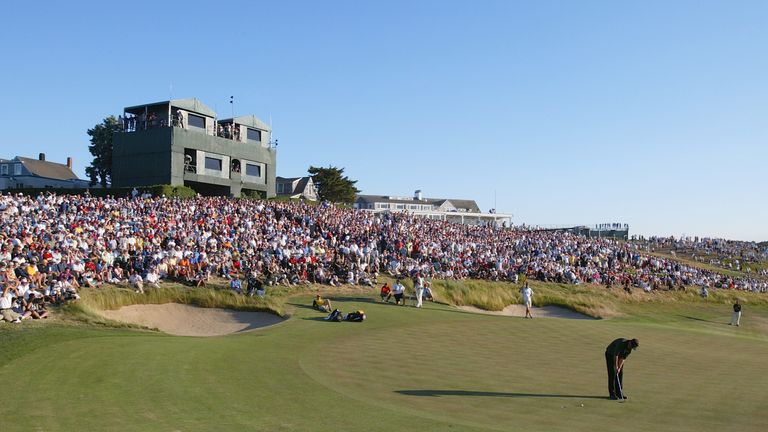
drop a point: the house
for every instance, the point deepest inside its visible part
(182, 142)
(453, 210)
(23, 172)
(296, 187)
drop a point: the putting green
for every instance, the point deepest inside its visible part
(434, 369)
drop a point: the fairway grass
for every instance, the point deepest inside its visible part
(433, 369)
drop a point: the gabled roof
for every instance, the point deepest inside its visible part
(192, 104)
(301, 186)
(249, 120)
(51, 170)
(469, 205)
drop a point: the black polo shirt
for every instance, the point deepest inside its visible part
(620, 347)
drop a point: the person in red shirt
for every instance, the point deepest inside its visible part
(386, 293)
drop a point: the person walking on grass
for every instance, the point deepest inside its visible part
(527, 294)
(615, 355)
(418, 286)
(736, 317)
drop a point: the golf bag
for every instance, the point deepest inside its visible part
(336, 315)
(357, 316)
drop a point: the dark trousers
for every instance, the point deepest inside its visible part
(615, 382)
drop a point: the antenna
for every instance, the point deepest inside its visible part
(170, 91)
(232, 103)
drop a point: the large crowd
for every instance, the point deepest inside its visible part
(728, 254)
(52, 245)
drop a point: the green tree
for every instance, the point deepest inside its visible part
(333, 185)
(100, 170)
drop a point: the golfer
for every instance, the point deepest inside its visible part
(615, 355)
(736, 317)
(527, 294)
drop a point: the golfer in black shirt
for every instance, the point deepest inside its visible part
(615, 355)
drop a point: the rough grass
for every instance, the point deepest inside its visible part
(593, 300)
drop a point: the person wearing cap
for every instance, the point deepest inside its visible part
(527, 293)
(321, 304)
(615, 355)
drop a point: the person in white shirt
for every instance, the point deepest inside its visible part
(398, 290)
(136, 281)
(6, 305)
(418, 285)
(153, 278)
(527, 294)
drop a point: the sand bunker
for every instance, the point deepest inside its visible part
(186, 320)
(517, 310)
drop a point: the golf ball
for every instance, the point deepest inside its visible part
(581, 405)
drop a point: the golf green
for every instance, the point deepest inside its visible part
(433, 369)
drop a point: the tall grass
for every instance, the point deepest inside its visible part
(593, 300)
(115, 297)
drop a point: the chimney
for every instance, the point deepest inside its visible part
(417, 195)
(69, 162)
(41, 156)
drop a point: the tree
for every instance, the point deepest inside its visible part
(332, 185)
(100, 170)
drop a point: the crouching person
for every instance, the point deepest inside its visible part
(386, 293)
(6, 305)
(136, 281)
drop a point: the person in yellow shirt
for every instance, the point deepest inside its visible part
(321, 304)
(34, 276)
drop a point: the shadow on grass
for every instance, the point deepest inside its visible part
(301, 305)
(438, 393)
(702, 319)
(316, 318)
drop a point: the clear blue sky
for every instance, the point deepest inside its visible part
(651, 113)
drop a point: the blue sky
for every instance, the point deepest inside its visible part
(651, 113)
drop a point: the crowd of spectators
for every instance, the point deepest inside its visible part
(51, 245)
(728, 254)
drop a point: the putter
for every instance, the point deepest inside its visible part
(621, 392)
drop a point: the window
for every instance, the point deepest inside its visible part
(252, 170)
(212, 163)
(4, 169)
(196, 121)
(17, 169)
(254, 135)
(413, 206)
(401, 206)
